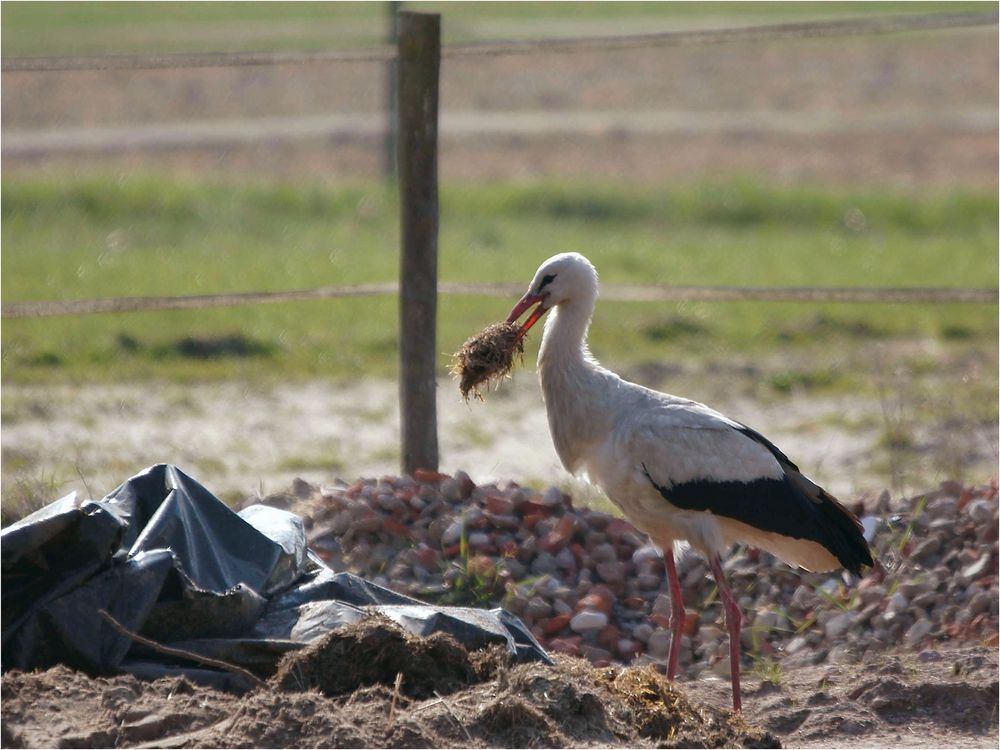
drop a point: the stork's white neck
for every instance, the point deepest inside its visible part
(571, 382)
(565, 338)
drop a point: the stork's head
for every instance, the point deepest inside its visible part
(564, 279)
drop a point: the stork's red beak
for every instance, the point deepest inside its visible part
(525, 304)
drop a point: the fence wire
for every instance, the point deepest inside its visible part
(610, 292)
(759, 33)
(764, 32)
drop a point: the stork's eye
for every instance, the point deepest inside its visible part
(547, 279)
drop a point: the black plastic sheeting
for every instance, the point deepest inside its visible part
(170, 561)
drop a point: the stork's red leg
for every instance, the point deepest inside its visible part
(676, 613)
(734, 621)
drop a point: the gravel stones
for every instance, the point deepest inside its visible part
(588, 620)
(648, 581)
(978, 568)
(796, 644)
(980, 602)
(838, 625)
(897, 603)
(552, 498)
(661, 605)
(599, 598)
(771, 620)
(451, 490)
(543, 564)
(927, 549)
(918, 631)
(942, 506)
(538, 608)
(480, 540)
(588, 583)
(611, 572)
(659, 643)
(647, 554)
(981, 511)
(499, 505)
(453, 533)
(803, 598)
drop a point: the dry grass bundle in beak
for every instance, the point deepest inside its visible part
(487, 356)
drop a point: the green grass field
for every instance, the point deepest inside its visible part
(42, 28)
(99, 237)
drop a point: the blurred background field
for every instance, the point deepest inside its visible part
(861, 161)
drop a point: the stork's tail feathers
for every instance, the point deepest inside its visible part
(843, 533)
(838, 529)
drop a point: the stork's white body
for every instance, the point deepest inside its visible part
(678, 470)
(608, 429)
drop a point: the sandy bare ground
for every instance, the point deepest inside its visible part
(948, 699)
(241, 440)
(466, 124)
(944, 698)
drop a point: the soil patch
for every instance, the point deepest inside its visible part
(341, 692)
(943, 698)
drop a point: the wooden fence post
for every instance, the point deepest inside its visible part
(392, 96)
(419, 65)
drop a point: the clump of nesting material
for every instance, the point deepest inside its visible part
(486, 358)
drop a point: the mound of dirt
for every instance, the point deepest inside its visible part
(377, 651)
(343, 692)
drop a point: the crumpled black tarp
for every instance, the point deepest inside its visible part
(170, 561)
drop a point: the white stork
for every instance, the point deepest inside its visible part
(677, 469)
